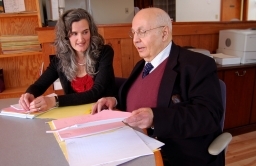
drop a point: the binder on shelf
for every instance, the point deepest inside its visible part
(2, 86)
(14, 6)
(1, 7)
(12, 44)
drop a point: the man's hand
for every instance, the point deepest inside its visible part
(141, 118)
(104, 103)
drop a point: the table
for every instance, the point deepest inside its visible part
(25, 142)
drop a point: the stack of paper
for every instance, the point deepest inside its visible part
(111, 148)
(224, 59)
(102, 139)
(80, 126)
(19, 44)
(16, 111)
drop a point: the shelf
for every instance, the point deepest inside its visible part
(20, 54)
(13, 92)
(20, 14)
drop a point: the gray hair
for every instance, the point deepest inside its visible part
(64, 50)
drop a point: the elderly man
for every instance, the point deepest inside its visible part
(173, 91)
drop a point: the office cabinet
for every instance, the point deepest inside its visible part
(253, 111)
(241, 96)
(239, 83)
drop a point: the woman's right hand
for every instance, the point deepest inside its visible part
(25, 100)
(104, 103)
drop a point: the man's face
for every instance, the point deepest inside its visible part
(147, 37)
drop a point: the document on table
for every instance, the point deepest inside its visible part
(85, 125)
(109, 148)
(104, 115)
(152, 143)
(88, 130)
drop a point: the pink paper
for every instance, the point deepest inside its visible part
(80, 132)
(76, 120)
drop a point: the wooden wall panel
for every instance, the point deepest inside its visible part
(22, 70)
(202, 35)
(127, 56)
(136, 56)
(117, 32)
(30, 5)
(183, 40)
(18, 25)
(47, 49)
(117, 64)
(206, 41)
(194, 41)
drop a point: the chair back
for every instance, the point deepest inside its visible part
(223, 97)
(118, 83)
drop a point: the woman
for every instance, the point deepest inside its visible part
(82, 63)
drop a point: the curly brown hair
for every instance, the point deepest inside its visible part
(64, 50)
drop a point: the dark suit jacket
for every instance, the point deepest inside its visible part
(188, 127)
(103, 85)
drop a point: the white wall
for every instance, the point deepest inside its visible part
(252, 10)
(197, 10)
(111, 11)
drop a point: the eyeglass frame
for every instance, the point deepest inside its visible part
(141, 34)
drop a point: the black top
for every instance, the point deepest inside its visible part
(104, 81)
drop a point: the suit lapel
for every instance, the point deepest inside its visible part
(168, 79)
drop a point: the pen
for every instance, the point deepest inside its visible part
(126, 124)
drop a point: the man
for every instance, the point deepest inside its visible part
(179, 99)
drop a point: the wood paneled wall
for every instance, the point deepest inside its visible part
(203, 35)
(21, 70)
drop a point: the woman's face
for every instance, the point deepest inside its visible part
(80, 36)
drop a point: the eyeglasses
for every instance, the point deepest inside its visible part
(141, 33)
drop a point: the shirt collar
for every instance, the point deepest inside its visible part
(161, 56)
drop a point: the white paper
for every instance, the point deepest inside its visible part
(110, 148)
(12, 6)
(152, 143)
(16, 106)
(55, 9)
(224, 59)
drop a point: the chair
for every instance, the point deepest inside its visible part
(118, 83)
(221, 142)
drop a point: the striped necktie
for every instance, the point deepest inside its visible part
(148, 67)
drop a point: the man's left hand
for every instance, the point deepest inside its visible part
(141, 118)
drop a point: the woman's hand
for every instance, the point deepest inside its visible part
(25, 100)
(42, 103)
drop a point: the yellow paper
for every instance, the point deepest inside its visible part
(65, 112)
(61, 144)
